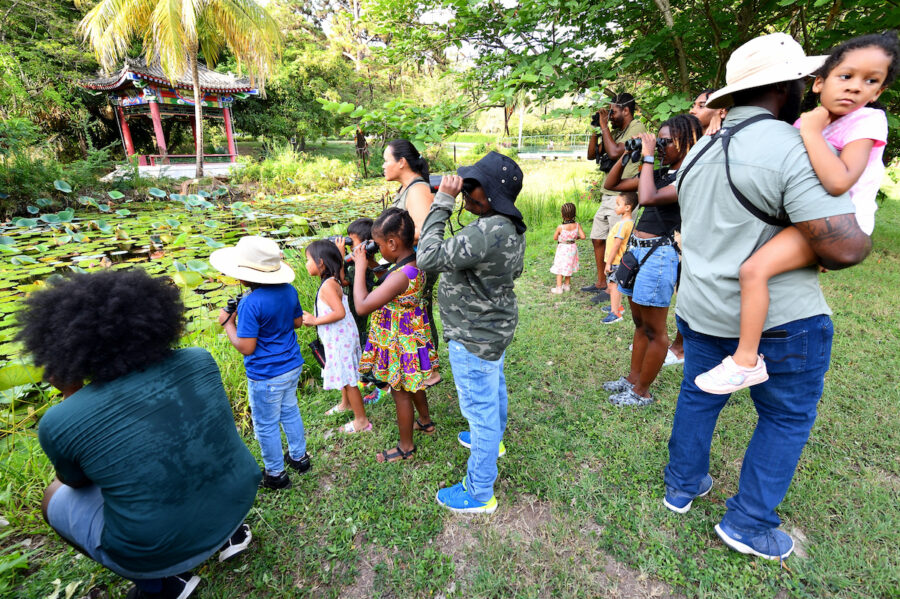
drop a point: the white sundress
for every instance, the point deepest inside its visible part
(342, 351)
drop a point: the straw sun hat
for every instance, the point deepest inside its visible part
(762, 61)
(254, 259)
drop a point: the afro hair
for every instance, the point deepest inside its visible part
(101, 326)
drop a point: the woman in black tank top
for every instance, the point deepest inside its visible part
(652, 239)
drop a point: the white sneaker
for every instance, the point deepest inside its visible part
(729, 377)
(556, 290)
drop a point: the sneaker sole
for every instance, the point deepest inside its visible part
(234, 550)
(725, 390)
(189, 587)
(469, 446)
(488, 509)
(685, 509)
(747, 549)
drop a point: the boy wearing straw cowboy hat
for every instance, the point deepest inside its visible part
(736, 190)
(264, 334)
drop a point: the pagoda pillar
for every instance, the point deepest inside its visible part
(126, 132)
(157, 128)
(229, 133)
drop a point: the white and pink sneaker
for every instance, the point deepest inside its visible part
(729, 377)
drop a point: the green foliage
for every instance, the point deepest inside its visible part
(405, 118)
(286, 171)
(660, 51)
(307, 72)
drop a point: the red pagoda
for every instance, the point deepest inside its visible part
(139, 91)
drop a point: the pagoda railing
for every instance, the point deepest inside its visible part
(159, 159)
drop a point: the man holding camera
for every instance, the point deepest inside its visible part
(621, 116)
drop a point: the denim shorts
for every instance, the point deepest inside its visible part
(655, 282)
(77, 515)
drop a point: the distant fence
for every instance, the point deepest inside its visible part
(572, 143)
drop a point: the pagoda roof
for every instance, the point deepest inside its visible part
(137, 68)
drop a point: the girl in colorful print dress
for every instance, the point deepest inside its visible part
(399, 350)
(338, 333)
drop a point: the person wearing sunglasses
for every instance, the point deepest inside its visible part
(652, 238)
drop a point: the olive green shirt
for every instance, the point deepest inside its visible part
(770, 166)
(634, 128)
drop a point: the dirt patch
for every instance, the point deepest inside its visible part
(369, 557)
(528, 520)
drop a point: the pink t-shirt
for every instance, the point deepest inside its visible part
(865, 123)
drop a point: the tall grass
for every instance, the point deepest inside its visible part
(549, 185)
(286, 171)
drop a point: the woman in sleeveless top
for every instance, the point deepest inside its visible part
(654, 285)
(404, 164)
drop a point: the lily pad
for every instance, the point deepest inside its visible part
(32, 209)
(157, 192)
(197, 265)
(123, 212)
(6, 240)
(115, 194)
(13, 375)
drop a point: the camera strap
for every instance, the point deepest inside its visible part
(725, 134)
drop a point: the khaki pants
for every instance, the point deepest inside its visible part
(605, 218)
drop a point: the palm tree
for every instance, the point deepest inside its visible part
(176, 31)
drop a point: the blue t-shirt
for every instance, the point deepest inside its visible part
(268, 313)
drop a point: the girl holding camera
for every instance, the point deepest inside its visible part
(654, 285)
(399, 350)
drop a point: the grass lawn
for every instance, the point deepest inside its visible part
(580, 489)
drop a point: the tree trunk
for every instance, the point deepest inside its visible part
(198, 114)
(666, 9)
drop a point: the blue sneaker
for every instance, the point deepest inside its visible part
(606, 309)
(680, 502)
(465, 439)
(457, 499)
(772, 544)
(611, 318)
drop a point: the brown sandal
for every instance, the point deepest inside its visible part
(394, 455)
(428, 429)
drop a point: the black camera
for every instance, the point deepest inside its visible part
(633, 149)
(231, 305)
(371, 249)
(606, 163)
(347, 240)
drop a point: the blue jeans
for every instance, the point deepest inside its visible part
(797, 356)
(481, 388)
(273, 401)
(77, 515)
(655, 281)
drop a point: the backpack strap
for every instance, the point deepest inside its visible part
(725, 134)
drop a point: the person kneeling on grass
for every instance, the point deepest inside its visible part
(152, 478)
(478, 309)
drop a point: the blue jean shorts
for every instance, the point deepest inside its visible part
(655, 281)
(77, 515)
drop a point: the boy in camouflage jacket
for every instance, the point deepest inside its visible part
(478, 310)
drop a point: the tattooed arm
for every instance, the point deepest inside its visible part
(836, 240)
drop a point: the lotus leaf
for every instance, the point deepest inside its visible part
(203, 193)
(6, 240)
(50, 218)
(156, 192)
(22, 259)
(187, 278)
(66, 216)
(32, 209)
(115, 194)
(13, 375)
(62, 186)
(103, 207)
(180, 240)
(197, 265)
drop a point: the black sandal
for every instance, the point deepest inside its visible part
(428, 429)
(396, 454)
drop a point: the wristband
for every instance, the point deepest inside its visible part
(648, 160)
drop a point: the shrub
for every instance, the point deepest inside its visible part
(287, 171)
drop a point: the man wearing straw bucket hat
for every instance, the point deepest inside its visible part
(264, 334)
(736, 190)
